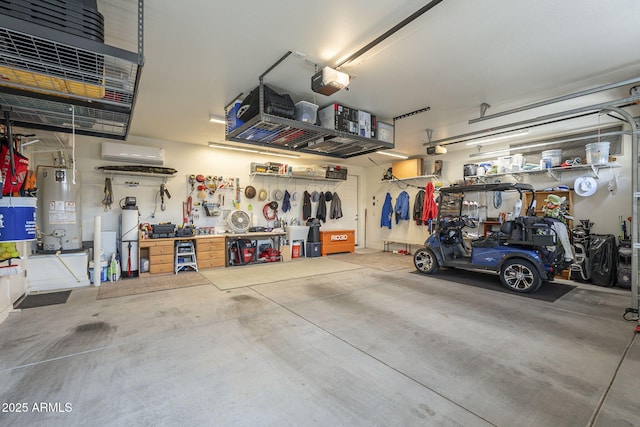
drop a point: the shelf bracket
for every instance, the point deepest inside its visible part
(517, 177)
(553, 174)
(595, 171)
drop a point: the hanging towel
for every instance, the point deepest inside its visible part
(286, 203)
(387, 212)
(336, 207)
(402, 206)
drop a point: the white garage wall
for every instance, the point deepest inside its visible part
(187, 159)
(603, 208)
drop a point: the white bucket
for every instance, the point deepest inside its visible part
(598, 153)
(554, 155)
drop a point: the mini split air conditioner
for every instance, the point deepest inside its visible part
(132, 153)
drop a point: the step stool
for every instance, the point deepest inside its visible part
(185, 256)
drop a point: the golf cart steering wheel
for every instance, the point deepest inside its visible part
(468, 222)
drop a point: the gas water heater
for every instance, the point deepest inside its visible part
(59, 215)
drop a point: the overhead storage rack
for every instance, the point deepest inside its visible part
(59, 81)
(268, 130)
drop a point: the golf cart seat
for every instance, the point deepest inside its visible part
(528, 231)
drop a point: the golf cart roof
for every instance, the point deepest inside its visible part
(498, 186)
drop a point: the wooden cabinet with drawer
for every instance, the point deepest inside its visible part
(160, 253)
(210, 252)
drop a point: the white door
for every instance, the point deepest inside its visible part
(348, 192)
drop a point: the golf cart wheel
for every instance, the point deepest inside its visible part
(520, 275)
(425, 261)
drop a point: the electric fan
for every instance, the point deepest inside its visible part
(239, 221)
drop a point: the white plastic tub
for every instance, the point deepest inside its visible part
(554, 155)
(306, 112)
(598, 153)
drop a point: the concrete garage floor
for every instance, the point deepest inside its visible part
(356, 348)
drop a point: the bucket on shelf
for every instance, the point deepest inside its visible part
(598, 152)
(555, 156)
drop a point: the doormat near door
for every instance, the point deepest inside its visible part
(143, 285)
(385, 261)
(257, 274)
(42, 300)
(549, 292)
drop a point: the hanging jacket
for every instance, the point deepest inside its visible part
(418, 204)
(387, 212)
(430, 208)
(306, 206)
(402, 206)
(336, 207)
(321, 210)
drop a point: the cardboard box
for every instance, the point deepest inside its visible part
(339, 117)
(407, 168)
(364, 124)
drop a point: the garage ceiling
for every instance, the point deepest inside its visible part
(200, 54)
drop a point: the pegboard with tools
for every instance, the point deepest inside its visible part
(208, 196)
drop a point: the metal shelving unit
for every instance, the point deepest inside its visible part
(60, 82)
(555, 173)
(279, 132)
(306, 178)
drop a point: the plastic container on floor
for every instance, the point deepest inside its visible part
(295, 250)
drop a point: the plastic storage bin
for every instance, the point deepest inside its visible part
(306, 112)
(555, 156)
(103, 271)
(597, 153)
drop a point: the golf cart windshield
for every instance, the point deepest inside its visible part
(452, 203)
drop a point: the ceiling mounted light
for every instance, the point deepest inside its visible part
(393, 154)
(217, 119)
(328, 81)
(231, 147)
(497, 138)
(271, 153)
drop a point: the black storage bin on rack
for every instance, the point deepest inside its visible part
(603, 258)
(77, 17)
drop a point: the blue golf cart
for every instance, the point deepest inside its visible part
(523, 253)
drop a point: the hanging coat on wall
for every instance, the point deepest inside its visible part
(336, 207)
(402, 206)
(306, 206)
(430, 208)
(321, 210)
(387, 212)
(418, 204)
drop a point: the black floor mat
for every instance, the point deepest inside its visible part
(548, 292)
(41, 300)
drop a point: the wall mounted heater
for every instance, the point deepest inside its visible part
(132, 153)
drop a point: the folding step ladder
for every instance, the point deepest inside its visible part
(185, 256)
